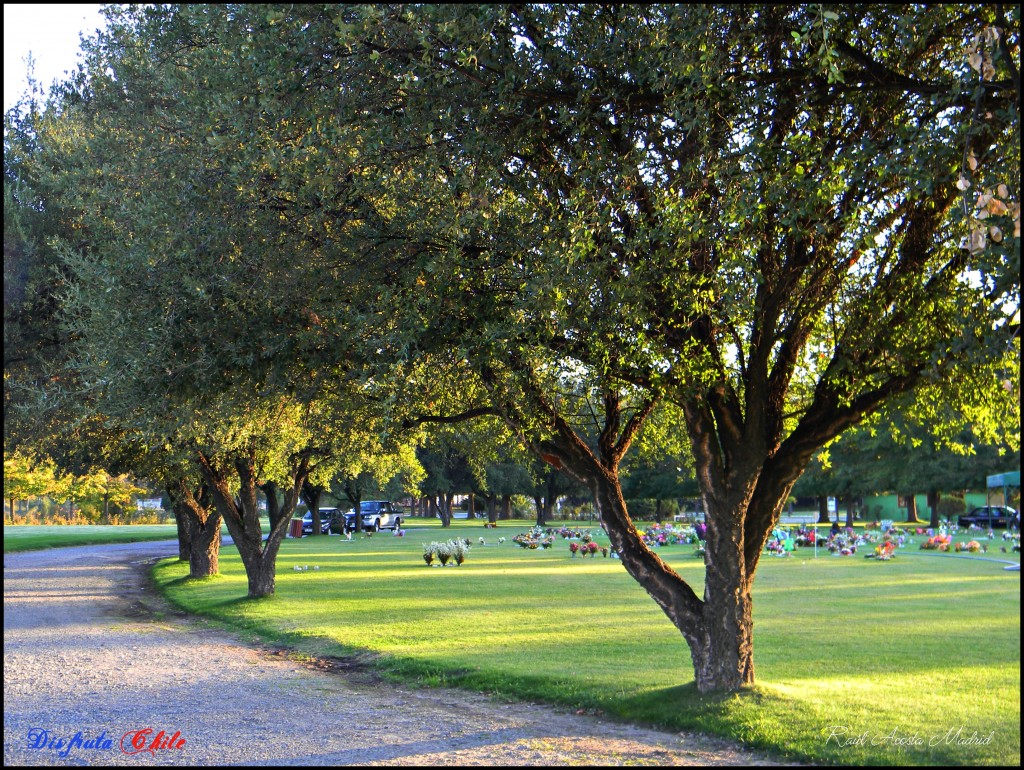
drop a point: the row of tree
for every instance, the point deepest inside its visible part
(255, 247)
(96, 497)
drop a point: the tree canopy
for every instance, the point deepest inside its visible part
(776, 219)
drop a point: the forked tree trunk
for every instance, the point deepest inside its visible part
(198, 529)
(242, 515)
(718, 630)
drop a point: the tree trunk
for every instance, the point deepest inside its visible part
(445, 500)
(204, 554)
(184, 536)
(912, 510)
(743, 494)
(242, 514)
(850, 502)
(506, 507)
(823, 510)
(200, 523)
(723, 657)
(492, 508)
(719, 630)
(311, 495)
(471, 510)
(933, 506)
(658, 510)
(550, 495)
(355, 496)
(441, 505)
(538, 504)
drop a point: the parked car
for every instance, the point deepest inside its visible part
(377, 515)
(325, 521)
(989, 517)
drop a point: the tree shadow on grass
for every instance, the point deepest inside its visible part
(687, 708)
(793, 729)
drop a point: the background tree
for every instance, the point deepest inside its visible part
(26, 478)
(662, 467)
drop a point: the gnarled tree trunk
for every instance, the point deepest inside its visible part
(241, 514)
(198, 528)
(742, 505)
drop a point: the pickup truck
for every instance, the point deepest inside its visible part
(377, 515)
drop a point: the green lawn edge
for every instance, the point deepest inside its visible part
(35, 537)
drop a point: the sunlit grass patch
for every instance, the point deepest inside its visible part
(33, 537)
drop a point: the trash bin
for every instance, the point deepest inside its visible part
(295, 528)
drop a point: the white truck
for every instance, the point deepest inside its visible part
(377, 515)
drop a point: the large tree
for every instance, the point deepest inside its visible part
(777, 218)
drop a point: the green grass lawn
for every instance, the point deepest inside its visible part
(858, 661)
(33, 537)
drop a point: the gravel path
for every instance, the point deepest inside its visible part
(88, 665)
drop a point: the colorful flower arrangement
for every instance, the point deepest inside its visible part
(658, 535)
(937, 543)
(842, 545)
(533, 539)
(883, 551)
(780, 546)
(805, 538)
(586, 549)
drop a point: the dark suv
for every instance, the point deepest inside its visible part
(325, 521)
(988, 516)
(377, 515)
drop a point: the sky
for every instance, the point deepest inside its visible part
(50, 32)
